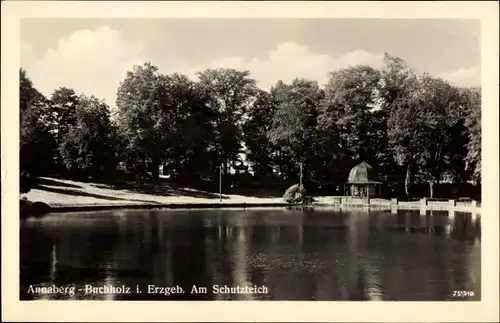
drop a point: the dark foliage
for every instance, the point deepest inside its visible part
(421, 133)
(26, 182)
(295, 194)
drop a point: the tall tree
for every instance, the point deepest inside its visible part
(419, 127)
(63, 104)
(396, 81)
(88, 148)
(230, 92)
(471, 99)
(142, 119)
(29, 96)
(407, 135)
(397, 94)
(351, 124)
(455, 153)
(440, 103)
(261, 152)
(37, 146)
(295, 120)
(191, 150)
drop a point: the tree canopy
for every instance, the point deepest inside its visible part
(230, 92)
(414, 127)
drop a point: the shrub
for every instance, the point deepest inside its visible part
(26, 182)
(37, 209)
(295, 194)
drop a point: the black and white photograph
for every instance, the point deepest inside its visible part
(332, 159)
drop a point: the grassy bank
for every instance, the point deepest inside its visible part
(63, 193)
(69, 195)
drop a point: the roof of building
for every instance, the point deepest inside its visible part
(363, 173)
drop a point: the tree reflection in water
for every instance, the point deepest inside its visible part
(296, 254)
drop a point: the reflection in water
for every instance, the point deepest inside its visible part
(297, 254)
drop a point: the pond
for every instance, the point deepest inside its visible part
(252, 254)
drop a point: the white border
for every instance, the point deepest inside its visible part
(14, 310)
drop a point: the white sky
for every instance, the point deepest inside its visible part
(92, 56)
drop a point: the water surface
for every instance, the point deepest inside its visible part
(316, 254)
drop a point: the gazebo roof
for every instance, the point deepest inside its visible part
(363, 173)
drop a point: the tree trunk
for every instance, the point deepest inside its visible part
(225, 165)
(431, 188)
(437, 170)
(408, 180)
(141, 166)
(155, 168)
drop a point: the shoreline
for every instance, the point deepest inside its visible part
(85, 208)
(63, 195)
(171, 206)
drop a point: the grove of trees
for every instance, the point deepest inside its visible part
(413, 128)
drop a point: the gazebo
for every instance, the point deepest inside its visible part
(362, 181)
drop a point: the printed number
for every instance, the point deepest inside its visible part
(462, 293)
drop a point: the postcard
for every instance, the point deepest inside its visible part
(250, 161)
